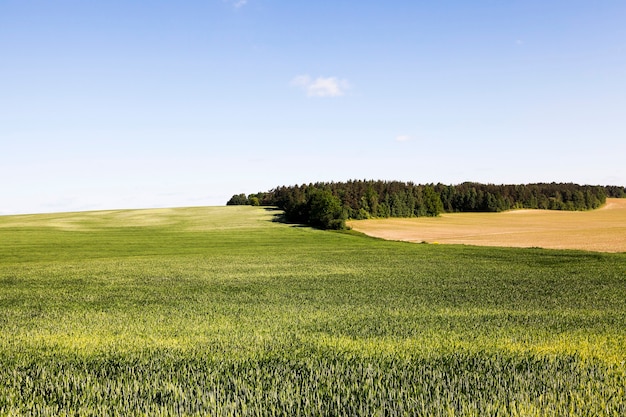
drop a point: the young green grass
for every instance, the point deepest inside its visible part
(223, 311)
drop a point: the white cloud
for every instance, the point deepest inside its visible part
(320, 86)
(403, 138)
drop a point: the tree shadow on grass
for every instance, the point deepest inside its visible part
(279, 217)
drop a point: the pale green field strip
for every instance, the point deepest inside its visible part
(602, 230)
(223, 311)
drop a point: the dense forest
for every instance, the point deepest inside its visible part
(328, 205)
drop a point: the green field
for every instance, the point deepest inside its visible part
(222, 311)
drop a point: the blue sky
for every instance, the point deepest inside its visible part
(133, 104)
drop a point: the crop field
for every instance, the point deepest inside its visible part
(222, 311)
(602, 230)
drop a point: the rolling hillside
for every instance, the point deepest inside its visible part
(223, 311)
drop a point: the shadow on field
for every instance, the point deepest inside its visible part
(279, 217)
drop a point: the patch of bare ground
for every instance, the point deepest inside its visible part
(601, 230)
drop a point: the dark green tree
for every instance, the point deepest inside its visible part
(237, 200)
(432, 202)
(325, 210)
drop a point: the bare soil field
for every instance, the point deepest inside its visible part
(601, 230)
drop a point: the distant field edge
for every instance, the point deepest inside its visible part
(601, 230)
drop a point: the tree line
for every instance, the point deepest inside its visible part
(327, 205)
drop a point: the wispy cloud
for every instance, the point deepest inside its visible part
(321, 86)
(237, 4)
(403, 138)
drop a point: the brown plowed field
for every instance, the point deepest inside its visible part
(601, 230)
